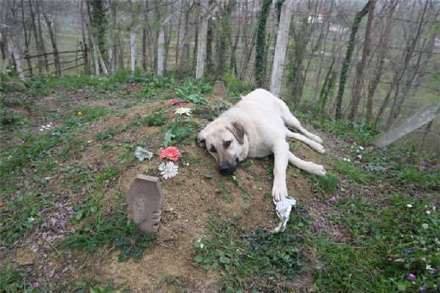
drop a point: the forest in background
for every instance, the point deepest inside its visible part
(369, 62)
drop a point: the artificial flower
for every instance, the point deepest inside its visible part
(170, 153)
(176, 102)
(183, 111)
(141, 154)
(168, 170)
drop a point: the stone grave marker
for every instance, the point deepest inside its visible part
(144, 199)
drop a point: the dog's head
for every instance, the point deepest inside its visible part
(226, 142)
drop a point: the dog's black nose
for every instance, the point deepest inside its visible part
(226, 169)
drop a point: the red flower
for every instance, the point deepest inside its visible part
(170, 153)
(176, 102)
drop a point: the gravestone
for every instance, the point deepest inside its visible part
(219, 89)
(144, 199)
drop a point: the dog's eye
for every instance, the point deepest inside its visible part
(212, 149)
(227, 143)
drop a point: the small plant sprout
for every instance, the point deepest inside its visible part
(168, 170)
(182, 111)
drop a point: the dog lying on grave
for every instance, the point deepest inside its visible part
(255, 127)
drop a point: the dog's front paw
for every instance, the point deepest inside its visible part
(319, 170)
(316, 138)
(320, 149)
(279, 191)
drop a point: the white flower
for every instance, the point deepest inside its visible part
(361, 148)
(359, 157)
(409, 205)
(429, 267)
(48, 126)
(168, 169)
(428, 212)
(183, 111)
(425, 226)
(200, 243)
(346, 160)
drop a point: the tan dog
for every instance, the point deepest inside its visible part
(255, 127)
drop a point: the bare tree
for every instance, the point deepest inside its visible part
(346, 64)
(360, 67)
(202, 38)
(51, 30)
(378, 69)
(133, 34)
(260, 46)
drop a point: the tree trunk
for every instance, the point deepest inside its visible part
(378, 69)
(410, 49)
(14, 51)
(281, 47)
(161, 50)
(209, 47)
(98, 25)
(36, 37)
(297, 76)
(133, 28)
(85, 47)
(260, 46)
(40, 33)
(132, 51)
(26, 40)
(359, 78)
(53, 40)
(201, 39)
(327, 87)
(346, 64)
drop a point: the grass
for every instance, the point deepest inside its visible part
(20, 215)
(390, 239)
(251, 258)
(423, 179)
(325, 184)
(12, 280)
(352, 172)
(158, 118)
(359, 132)
(110, 230)
(37, 147)
(402, 167)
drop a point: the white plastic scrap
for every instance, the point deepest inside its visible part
(283, 209)
(168, 169)
(141, 154)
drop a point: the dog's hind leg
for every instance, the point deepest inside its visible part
(306, 165)
(292, 122)
(311, 143)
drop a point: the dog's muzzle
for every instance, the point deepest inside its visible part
(226, 168)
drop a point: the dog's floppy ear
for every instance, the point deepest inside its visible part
(238, 131)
